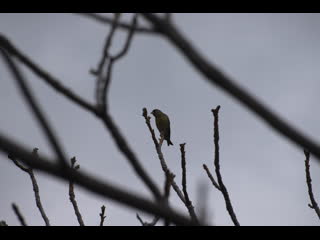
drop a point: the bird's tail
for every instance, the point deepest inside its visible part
(169, 142)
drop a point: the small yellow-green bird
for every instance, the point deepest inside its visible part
(163, 124)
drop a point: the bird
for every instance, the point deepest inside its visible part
(163, 124)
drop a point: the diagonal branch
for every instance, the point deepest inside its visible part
(35, 186)
(314, 204)
(92, 184)
(49, 79)
(119, 139)
(217, 77)
(19, 215)
(214, 183)
(27, 93)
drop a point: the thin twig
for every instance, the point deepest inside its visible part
(30, 99)
(214, 183)
(19, 215)
(72, 196)
(216, 77)
(314, 204)
(35, 186)
(165, 167)
(223, 188)
(102, 215)
(93, 184)
(122, 25)
(184, 183)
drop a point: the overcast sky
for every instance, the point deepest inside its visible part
(275, 56)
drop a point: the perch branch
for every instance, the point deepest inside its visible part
(164, 166)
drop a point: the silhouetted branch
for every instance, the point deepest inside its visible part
(120, 141)
(72, 196)
(102, 215)
(164, 165)
(123, 196)
(314, 204)
(122, 25)
(214, 183)
(34, 183)
(223, 188)
(27, 93)
(217, 77)
(50, 80)
(184, 184)
(19, 215)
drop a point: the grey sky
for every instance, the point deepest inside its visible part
(275, 56)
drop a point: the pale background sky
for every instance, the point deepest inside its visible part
(275, 56)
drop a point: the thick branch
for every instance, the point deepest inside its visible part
(50, 80)
(216, 77)
(92, 184)
(314, 204)
(107, 120)
(26, 92)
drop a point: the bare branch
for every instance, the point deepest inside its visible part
(123, 196)
(122, 25)
(72, 196)
(27, 93)
(223, 188)
(107, 120)
(19, 215)
(50, 80)
(217, 77)
(184, 183)
(102, 215)
(314, 204)
(164, 166)
(214, 183)
(34, 184)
